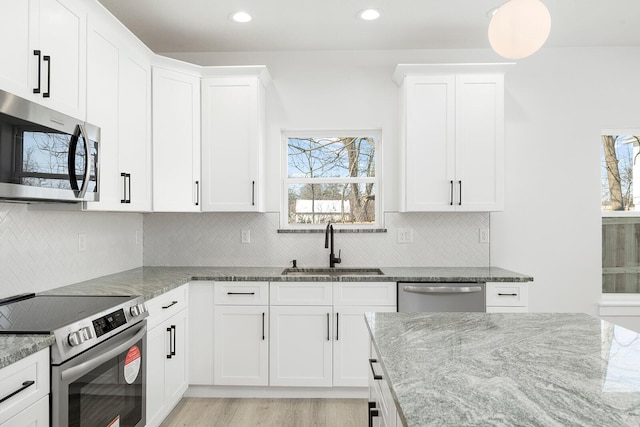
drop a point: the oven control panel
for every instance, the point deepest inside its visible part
(109, 322)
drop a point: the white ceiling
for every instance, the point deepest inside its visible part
(204, 25)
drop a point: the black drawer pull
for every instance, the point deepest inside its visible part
(25, 385)
(241, 293)
(507, 295)
(375, 376)
(172, 303)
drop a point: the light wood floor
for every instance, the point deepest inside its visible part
(201, 412)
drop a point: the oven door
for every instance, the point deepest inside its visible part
(104, 386)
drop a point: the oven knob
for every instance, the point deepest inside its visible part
(134, 310)
(75, 338)
(87, 333)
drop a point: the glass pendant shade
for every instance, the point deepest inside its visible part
(519, 28)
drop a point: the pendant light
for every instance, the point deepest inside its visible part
(519, 28)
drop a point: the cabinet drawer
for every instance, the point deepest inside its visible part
(166, 305)
(18, 376)
(301, 293)
(507, 295)
(364, 293)
(241, 293)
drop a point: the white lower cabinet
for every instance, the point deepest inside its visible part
(382, 408)
(29, 377)
(167, 367)
(241, 334)
(507, 297)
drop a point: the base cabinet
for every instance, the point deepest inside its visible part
(506, 297)
(36, 415)
(167, 368)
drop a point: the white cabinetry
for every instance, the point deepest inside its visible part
(351, 340)
(233, 139)
(167, 368)
(382, 408)
(43, 53)
(452, 136)
(301, 332)
(507, 297)
(176, 137)
(29, 377)
(201, 324)
(241, 333)
(119, 102)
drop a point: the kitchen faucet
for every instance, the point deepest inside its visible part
(333, 260)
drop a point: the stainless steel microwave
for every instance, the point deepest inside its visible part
(46, 155)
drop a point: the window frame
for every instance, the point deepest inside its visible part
(286, 181)
(618, 131)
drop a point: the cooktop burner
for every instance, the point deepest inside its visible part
(43, 314)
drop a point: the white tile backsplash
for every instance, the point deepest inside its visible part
(39, 246)
(214, 239)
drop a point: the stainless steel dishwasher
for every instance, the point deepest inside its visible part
(439, 297)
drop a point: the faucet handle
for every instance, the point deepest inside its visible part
(294, 263)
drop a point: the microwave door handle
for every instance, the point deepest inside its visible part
(71, 160)
(77, 371)
(87, 169)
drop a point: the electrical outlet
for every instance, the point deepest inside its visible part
(405, 235)
(246, 236)
(484, 235)
(82, 242)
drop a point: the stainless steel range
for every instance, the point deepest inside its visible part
(98, 370)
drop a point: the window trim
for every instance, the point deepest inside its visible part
(619, 131)
(285, 180)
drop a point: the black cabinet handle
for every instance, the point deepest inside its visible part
(262, 326)
(25, 385)
(507, 295)
(169, 353)
(173, 333)
(375, 376)
(38, 54)
(372, 406)
(47, 58)
(253, 193)
(451, 196)
(460, 199)
(124, 187)
(337, 326)
(241, 293)
(328, 327)
(197, 193)
(129, 199)
(172, 303)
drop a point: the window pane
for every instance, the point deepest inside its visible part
(618, 163)
(331, 157)
(339, 203)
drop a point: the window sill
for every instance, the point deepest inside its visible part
(337, 230)
(620, 305)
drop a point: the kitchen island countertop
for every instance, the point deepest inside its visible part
(533, 369)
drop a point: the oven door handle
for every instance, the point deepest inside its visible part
(442, 289)
(81, 369)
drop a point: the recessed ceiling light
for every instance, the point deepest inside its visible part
(241, 17)
(369, 14)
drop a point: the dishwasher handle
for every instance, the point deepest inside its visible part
(442, 289)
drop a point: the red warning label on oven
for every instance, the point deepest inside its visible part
(132, 363)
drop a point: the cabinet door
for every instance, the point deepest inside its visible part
(19, 66)
(176, 369)
(480, 142)
(300, 353)
(351, 345)
(241, 345)
(36, 415)
(134, 131)
(232, 139)
(201, 325)
(102, 110)
(157, 339)
(430, 143)
(62, 37)
(176, 141)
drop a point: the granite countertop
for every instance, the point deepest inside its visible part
(533, 369)
(151, 282)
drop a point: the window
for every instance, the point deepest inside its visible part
(620, 204)
(331, 176)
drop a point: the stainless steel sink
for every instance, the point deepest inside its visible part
(332, 272)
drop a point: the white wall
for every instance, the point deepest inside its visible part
(557, 101)
(39, 248)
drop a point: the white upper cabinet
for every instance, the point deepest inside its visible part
(43, 53)
(176, 138)
(233, 139)
(119, 102)
(452, 137)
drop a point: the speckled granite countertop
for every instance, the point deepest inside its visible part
(154, 281)
(533, 369)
